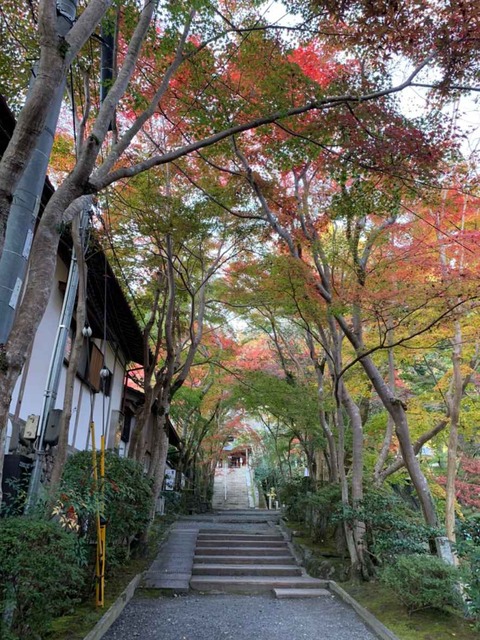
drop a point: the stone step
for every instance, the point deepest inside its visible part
(257, 559)
(264, 529)
(301, 593)
(232, 519)
(247, 512)
(220, 538)
(252, 584)
(244, 551)
(246, 570)
(267, 544)
(246, 520)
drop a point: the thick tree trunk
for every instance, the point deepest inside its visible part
(59, 44)
(387, 440)
(35, 300)
(50, 74)
(136, 448)
(359, 528)
(347, 527)
(398, 412)
(159, 461)
(454, 399)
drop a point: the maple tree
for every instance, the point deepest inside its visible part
(348, 230)
(183, 248)
(331, 177)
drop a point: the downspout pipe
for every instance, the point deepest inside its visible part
(26, 199)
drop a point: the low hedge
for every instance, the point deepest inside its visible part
(40, 575)
(422, 581)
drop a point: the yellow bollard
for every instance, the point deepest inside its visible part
(101, 522)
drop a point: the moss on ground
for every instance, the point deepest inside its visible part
(85, 615)
(384, 604)
(429, 624)
(325, 548)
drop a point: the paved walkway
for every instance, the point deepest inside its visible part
(193, 615)
(237, 617)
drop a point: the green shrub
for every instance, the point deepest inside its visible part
(423, 582)
(313, 507)
(292, 496)
(468, 548)
(393, 529)
(127, 505)
(173, 502)
(40, 576)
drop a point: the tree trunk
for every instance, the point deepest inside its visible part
(319, 372)
(454, 399)
(397, 410)
(34, 303)
(136, 449)
(387, 440)
(44, 250)
(159, 462)
(359, 528)
(347, 528)
(50, 75)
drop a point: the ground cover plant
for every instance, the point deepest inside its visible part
(42, 574)
(77, 623)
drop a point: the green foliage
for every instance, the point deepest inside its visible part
(17, 489)
(126, 506)
(40, 575)
(292, 495)
(266, 473)
(173, 502)
(422, 582)
(315, 508)
(295, 405)
(392, 528)
(468, 548)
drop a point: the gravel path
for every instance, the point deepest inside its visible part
(237, 617)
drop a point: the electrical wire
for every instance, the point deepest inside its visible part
(103, 380)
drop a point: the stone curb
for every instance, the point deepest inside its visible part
(295, 549)
(379, 629)
(109, 617)
(106, 621)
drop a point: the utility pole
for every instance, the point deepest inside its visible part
(26, 199)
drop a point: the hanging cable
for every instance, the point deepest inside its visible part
(104, 373)
(74, 115)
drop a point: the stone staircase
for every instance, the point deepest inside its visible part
(251, 561)
(231, 489)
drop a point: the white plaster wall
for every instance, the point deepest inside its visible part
(42, 351)
(102, 406)
(83, 401)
